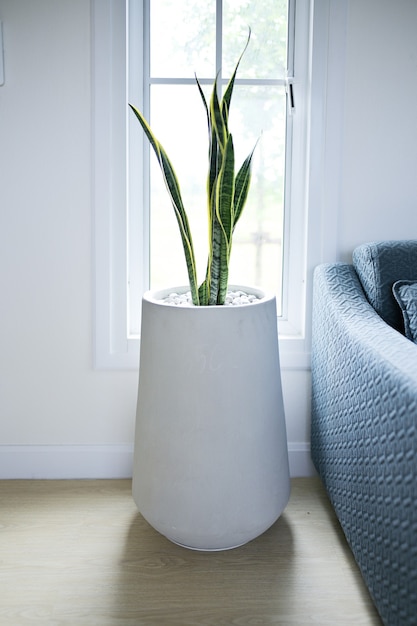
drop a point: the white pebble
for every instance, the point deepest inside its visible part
(233, 298)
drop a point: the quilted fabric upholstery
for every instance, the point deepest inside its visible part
(405, 292)
(379, 265)
(364, 436)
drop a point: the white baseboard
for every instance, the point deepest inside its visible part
(99, 461)
(299, 455)
(66, 461)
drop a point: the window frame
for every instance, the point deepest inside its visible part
(311, 225)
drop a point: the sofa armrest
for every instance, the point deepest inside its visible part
(364, 435)
(339, 299)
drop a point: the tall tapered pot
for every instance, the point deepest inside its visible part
(210, 461)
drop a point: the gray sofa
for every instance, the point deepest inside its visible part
(364, 417)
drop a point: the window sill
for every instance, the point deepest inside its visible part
(293, 355)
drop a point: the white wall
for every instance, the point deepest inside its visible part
(49, 392)
(58, 416)
(379, 184)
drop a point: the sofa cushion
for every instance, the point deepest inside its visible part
(379, 265)
(405, 292)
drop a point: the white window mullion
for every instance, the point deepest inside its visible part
(293, 323)
(137, 258)
(219, 38)
(286, 260)
(109, 129)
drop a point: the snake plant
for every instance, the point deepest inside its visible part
(226, 194)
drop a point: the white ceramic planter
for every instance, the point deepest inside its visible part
(211, 462)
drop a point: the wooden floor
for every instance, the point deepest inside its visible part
(78, 553)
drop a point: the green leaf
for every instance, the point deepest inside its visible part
(203, 293)
(214, 268)
(226, 100)
(173, 188)
(203, 97)
(206, 288)
(242, 184)
(225, 190)
(216, 118)
(224, 211)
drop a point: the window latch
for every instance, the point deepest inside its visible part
(289, 88)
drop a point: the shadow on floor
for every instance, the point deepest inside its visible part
(162, 583)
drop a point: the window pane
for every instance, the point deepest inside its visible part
(266, 56)
(182, 38)
(260, 112)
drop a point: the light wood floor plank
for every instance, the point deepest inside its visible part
(79, 553)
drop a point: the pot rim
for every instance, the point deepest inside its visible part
(156, 296)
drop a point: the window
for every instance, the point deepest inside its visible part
(188, 35)
(274, 244)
